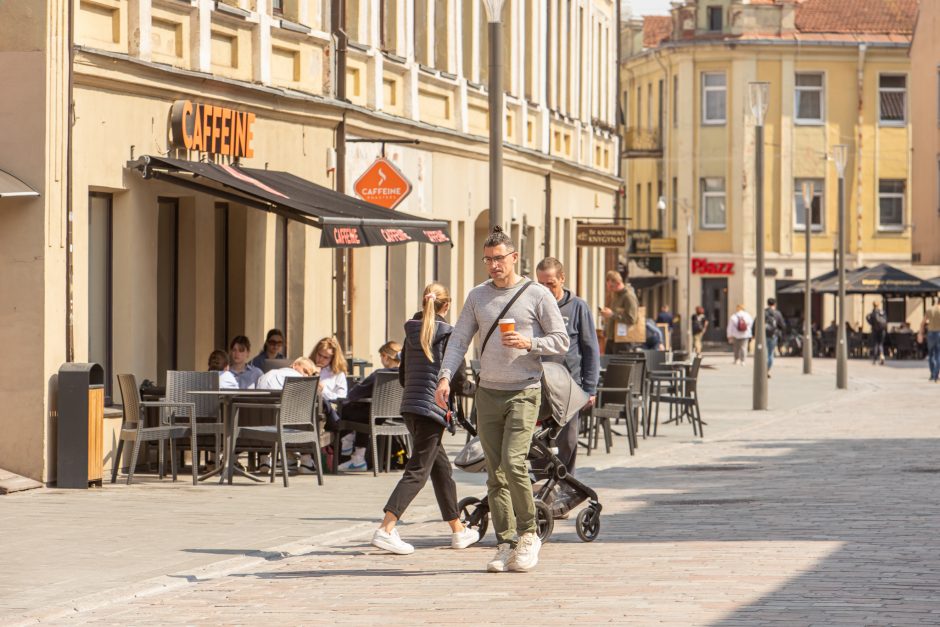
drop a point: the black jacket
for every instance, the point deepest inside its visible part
(418, 375)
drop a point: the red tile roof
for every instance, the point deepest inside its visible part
(857, 16)
(656, 29)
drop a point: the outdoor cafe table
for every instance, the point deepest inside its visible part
(227, 398)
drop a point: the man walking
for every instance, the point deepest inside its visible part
(622, 309)
(509, 389)
(699, 326)
(583, 357)
(774, 325)
(931, 329)
(879, 324)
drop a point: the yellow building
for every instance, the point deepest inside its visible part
(925, 115)
(148, 274)
(838, 73)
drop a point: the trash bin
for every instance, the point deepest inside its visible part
(81, 424)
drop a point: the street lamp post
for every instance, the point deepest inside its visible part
(758, 94)
(494, 9)
(808, 193)
(688, 280)
(840, 155)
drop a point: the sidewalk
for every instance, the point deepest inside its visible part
(820, 510)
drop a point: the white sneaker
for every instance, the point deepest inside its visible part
(500, 563)
(465, 538)
(347, 442)
(353, 464)
(526, 555)
(391, 542)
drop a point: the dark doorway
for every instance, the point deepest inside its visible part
(715, 303)
(791, 306)
(167, 286)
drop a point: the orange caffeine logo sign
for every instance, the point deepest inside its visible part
(382, 184)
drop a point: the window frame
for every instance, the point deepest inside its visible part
(819, 192)
(710, 12)
(882, 90)
(902, 196)
(705, 195)
(705, 91)
(822, 99)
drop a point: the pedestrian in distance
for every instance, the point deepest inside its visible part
(699, 326)
(583, 357)
(930, 329)
(879, 325)
(739, 333)
(774, 326)
(426, 336)
(622, 308)
(665, 316)
(508, 393)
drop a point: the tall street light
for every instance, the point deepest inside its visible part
(758, 94)
(688, 280)
(840, 155)
(808, 193)
(494, 9)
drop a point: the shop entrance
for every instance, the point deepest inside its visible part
(715, 303)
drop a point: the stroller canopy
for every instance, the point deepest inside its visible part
(562, 398)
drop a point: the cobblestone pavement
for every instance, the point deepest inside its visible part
(823, 510)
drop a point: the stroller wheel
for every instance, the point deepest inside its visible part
(544, 520)
(475, 514)
(588, 524)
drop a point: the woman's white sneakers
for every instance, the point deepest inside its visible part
(391, 542)
(465, 538)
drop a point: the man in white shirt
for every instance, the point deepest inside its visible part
(274, 379)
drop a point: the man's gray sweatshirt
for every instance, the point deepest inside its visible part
(503, 368)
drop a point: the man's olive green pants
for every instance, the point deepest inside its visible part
(505, 423)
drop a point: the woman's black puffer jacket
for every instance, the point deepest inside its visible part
(418, 375)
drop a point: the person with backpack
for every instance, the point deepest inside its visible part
(699, 326)
(774, 326)
(879, 324)
(426, 337)
(739, 333)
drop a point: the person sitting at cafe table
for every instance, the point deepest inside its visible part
(274, 379)
(354, 408)
(330, 364)
(218, 362)
(273, 349)
(239, 365)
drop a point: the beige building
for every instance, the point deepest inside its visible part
(147, 274)
(925, 114)
(838, 73)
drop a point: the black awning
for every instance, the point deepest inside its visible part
(888, 280)
(818, 284)
(345, 221)
(10, 186)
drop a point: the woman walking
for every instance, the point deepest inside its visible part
(426, 336)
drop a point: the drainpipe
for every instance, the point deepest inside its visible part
(69, 231)
(548, 217)
(341, 256)
(860, 88)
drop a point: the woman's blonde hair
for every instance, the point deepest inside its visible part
(391, 350)
(338, 362)
(435, 299)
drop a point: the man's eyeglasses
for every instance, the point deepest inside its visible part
(498, 259)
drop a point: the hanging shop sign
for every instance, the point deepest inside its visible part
(602, 235)
(701, 265)
(382, 184)
(212, 129)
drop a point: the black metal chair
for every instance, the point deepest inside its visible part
(680, 392)
(614, 401)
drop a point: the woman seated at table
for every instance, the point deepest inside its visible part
(274, 379)
(273, 349)
(246, 374)
(330, 364)
(218, 362)
(355, 409)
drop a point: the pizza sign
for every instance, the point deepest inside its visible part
(382, 184)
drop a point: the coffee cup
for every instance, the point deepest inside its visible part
(507, 325)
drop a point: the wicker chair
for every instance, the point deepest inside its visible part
(133, 427)
(206, 419)
(385, 405)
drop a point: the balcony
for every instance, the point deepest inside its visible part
(640, 144)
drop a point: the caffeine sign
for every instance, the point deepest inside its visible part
(382, 184)
(211, 128)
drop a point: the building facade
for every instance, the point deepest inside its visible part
(925, 114)
(145, 275)
(838, 73)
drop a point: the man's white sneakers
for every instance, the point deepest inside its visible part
(391, 542)
(526, 555)
(465, 538)
(500, 563)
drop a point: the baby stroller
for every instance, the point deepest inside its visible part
(556, 409)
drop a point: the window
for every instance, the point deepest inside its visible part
(100, 286)
(388, 25)
(675, 101)
(891, 204)
(639, 103)
(675, 203)
(277, 7)
(713, 203)
(892, 99)
(816, 206)
(809, 98)
(649, 106)
(420, 34)
(441, 34)
(713, 98)
(714, 18)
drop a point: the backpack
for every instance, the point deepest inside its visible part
(742, 324)
(697, 325)
(877, 320)
(770, 323)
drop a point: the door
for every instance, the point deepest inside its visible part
(715, 302)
